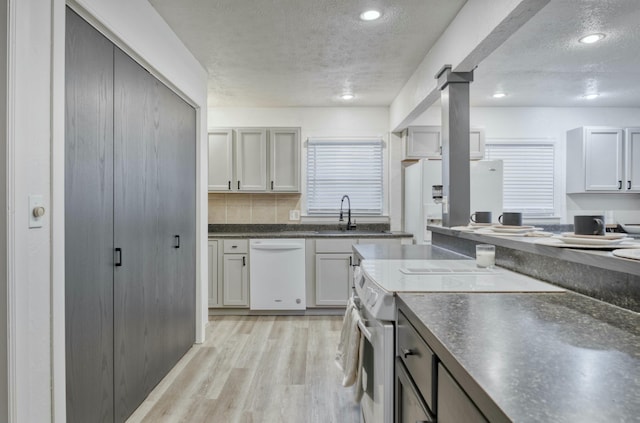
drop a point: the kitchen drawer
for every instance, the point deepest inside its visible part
(453, 404)
(240, 246)
(419, 359)
(335, 245)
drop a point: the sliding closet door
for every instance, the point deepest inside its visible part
(88, 223)
(140, 281)
(178, 162)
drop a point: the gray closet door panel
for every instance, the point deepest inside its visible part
(88, 223)
(179, 164)
(138, 229)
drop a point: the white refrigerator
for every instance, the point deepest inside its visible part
(421, 209)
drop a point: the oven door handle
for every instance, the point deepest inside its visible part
(364, 330)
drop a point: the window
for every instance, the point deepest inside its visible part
(336, 167)
(528, 175)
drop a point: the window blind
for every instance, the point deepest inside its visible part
(528, 176)
(339, 166)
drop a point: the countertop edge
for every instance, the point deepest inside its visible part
(286, 234)
(597, 258)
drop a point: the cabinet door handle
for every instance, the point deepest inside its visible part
(271, 184)
(229, 185)
(350, 261)
(118, 257)
(177, 238)
(238, 184)
(244, 260)
(619, 184)
(406, 352)
(628, 184)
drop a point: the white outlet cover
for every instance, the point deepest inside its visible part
(294, 214)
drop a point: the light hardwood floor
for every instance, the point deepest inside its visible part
(256, 369)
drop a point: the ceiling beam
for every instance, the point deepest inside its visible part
(478, 29)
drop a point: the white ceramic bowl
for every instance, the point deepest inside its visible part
(631, 228)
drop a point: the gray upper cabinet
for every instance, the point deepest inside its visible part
(251, 159)
(603, 159)
(254, 160)
(422, 142)
(220, 159)
(284, 159)
(425, 142)
(632, 156)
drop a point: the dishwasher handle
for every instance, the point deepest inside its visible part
(277, 247)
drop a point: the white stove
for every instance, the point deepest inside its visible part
(383, 278)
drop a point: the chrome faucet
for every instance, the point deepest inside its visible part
(350, 226)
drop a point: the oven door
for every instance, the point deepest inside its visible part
(377, 370)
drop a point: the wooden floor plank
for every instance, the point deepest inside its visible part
(256, 369)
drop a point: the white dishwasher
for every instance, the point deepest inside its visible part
(277, 274)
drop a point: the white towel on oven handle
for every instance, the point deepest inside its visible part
(348, 355)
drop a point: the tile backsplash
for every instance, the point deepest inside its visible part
(252, 208)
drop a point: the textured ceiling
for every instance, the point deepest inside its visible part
(544, 65)
(278, 53)
(270, 53)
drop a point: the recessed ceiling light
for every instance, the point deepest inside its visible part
(347, 96)
(590, 96)
(370, 15)
(591, 38)
(499, 95)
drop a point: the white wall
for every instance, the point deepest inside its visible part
(553, 123)
(320, 122)
(35, 165)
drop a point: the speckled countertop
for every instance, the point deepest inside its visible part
(367, 230)
(310, 234)
(536, 357)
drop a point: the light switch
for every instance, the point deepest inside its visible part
(36, 211)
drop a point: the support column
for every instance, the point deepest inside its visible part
(454, 98)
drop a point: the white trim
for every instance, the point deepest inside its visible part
(12, 401)
(57, 207)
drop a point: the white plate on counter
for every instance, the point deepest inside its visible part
(592, 241)
(609, 236)
(513, 229)
(488, 231)
(628, 254)
(555, 242)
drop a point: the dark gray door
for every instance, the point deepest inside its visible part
(154, 292)
(178, 162)
(88, 223)
(140, 283)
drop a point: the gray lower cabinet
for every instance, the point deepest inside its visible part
(334, 271)
(130, 228)
(212, 256)
(333, 277)
(453, 404)
(424, 388)
(229, 273)
(235, 281)
(410, 407)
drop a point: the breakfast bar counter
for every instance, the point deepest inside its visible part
(535, 357)
(595, 273)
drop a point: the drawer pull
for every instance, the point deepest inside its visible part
(406, 352)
